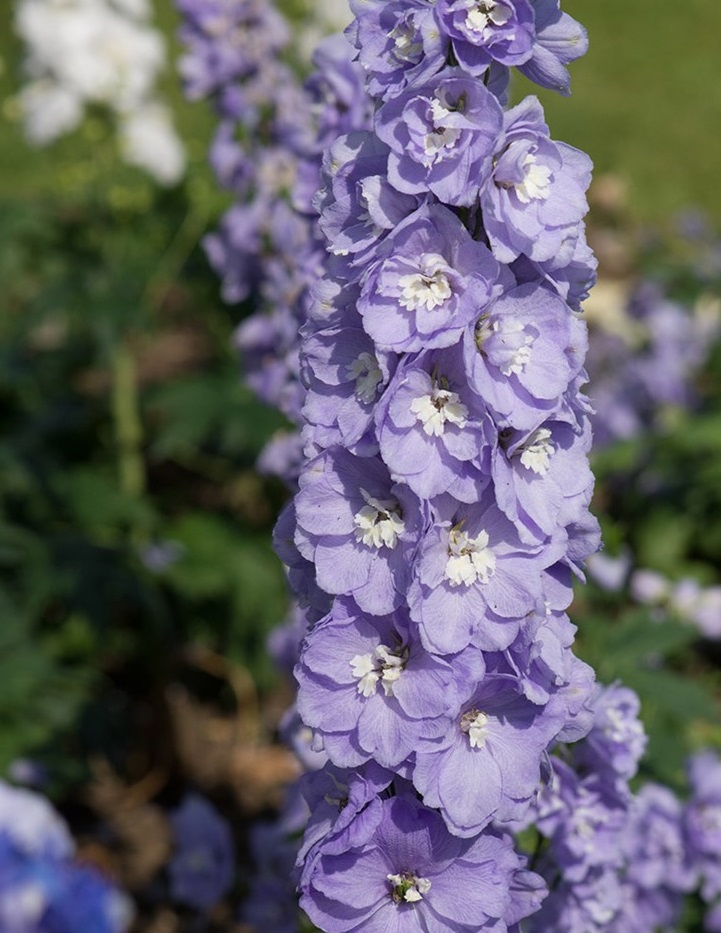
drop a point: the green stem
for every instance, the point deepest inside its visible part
(175, 256)
(128, 427)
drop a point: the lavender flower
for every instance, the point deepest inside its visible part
(408, 872)
(442, 137)
(371, 691)
(649, 365)
(703, 821)
(535, 199)
(358, 528)
(427, 283)
(203, 863)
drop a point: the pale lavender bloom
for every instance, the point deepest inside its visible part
(345, 809)
(542, 661)
(484, 31)
(338, 93)
(407, 876)
(226, 42)
(542, 477)
(359, 528)
(559, 41)
(428, 283)
(703, 820)
(594, 904)
(442, 135)
(232, 250)
(345, 375)
(476, 580)
(573, 279)
(522, 354)
(314, 601)
(357, 205)
(583, 822)
(488, 766)
(202, 866)
(617, 741)
(398, 43)
(535, 200)
(658, 870)
(433, 432)
(369, 690)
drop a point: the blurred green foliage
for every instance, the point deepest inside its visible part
(132, 522)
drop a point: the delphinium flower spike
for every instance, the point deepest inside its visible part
(443, 509)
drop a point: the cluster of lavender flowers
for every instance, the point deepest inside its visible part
(42, 888)
(615, 861)
(649, 363)
(84, 53)
(684, 598)
(443, 509)
(267, 152)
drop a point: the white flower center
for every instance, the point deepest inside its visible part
(536, 452)
(367, 374)
(619, 727)
(474, 724)
(403, 36)
(508, 346)
(364, 214)
(484, 14)
(433, 411)
(587, 821)
(469, 559)
(441, 138)
(536, 184)
(408, 887)
(382, 665)
(379, 522)
(429, 287)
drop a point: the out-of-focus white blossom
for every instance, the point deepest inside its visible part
(49, 110)
(148, 140)
(103, 53)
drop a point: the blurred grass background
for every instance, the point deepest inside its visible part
(646, 102)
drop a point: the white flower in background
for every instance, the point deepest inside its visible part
(100, 52)
(148, 140)
(49, 111)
